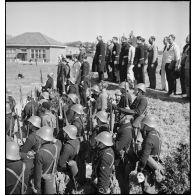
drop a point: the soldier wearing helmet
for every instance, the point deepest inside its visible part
(122, 144)
(101, 125)
(33, 142)
(151, 148)
(71, 147)
(44, 158)
(104, 162)
(126, 99)
(44, 97)
(123, 59)
(78, 118)
(15, 167)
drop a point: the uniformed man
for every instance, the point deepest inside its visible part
(78, 118)
(48, 119)
(122, 144)
(70, 150)
(123, 59)
(151, 147)
(152, 62)
(139, 62)
(33, 142)
(17, 171)
(115, 60)
(101, 124)
(126, 99)
(108, 59)
(10, 100)
(47, 156)
(84, 84)
(49, 86)
(31, 108)
(99, 58)
(105, 162)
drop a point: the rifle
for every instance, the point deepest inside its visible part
(32, 107)
(41, 76)
(19, 129)
(126, 98)
(63, 87)
(65, 117)
(111, 129)
(90, 112)
(21, 99)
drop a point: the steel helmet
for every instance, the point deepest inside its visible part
(8, 108)
(149, 121)
(124, 85)
(36, 121)
(96, 88)
(105, 137)
(142, 87)
(12, 151)
(46, 133)
(71, 130)
(45, 95)
(51, 74)
(103, 116)
(73, 97)
(78, 108)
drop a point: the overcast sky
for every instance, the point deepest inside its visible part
(73, 21)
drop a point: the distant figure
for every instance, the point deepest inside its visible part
(164, 61)
(99, 58)
(108, 58)
(115, 60)
(152, 62)
(20, 76)
(139, 62)
(82, 53)
(185, 53)
(49, 83)
(123, 59)
(173, 64)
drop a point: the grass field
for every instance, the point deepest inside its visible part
(172, 114)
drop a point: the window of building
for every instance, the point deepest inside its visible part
(40, 54)
(44, 54)
(32, 53)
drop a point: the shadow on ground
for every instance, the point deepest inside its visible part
(162, 95)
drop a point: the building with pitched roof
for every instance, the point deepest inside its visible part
(34, 46)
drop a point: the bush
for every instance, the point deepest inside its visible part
(177, 171)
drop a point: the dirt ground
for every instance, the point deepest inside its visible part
(172, 114)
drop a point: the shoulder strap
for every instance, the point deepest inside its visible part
(18, 179)
(112, 158)
(54, 159)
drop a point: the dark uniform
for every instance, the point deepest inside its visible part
(78, 122)
(99, 60)
(121, 147)
(43, 160)
(33, 142)
(139, 61)
(84, 84)
(123, 101)
(108, 59)
(17, 166)
(123, 61)
(49, 85)
(30, 108)
(104, 169)
(115, 67)
(183, 61)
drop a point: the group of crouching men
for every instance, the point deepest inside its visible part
(61, 134)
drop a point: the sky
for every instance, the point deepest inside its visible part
(83, 21)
